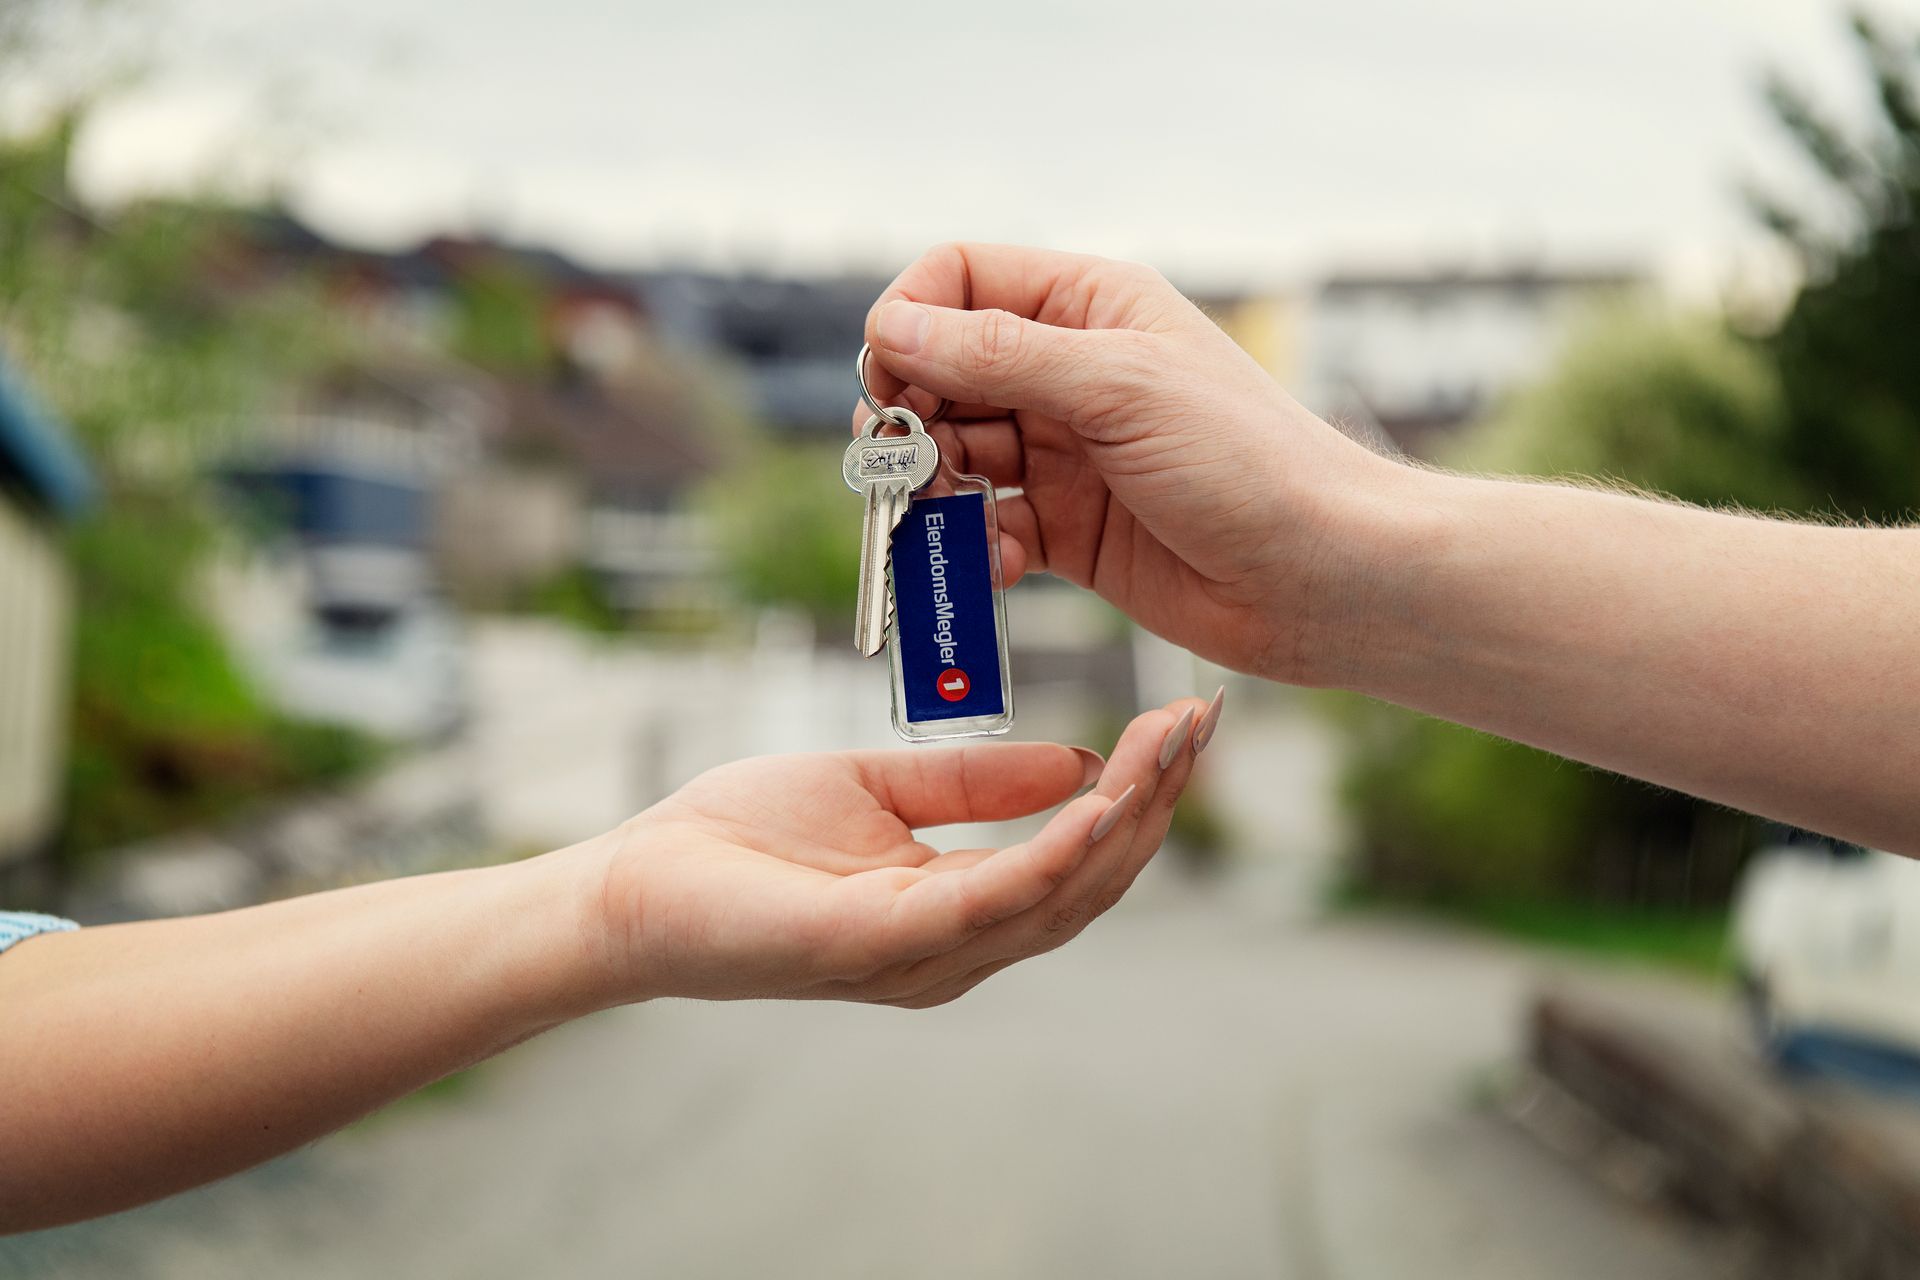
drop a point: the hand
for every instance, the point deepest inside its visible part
(1160, 465)
(800, 876)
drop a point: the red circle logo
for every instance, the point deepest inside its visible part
(953, 685)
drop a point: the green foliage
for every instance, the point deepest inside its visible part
(166, 732)
(1661, 400)
(1445, 812)
(1845, 349)
(118, 328)
(1198, 832)
(789, 529)
(500, 319)
(576, 597)
(1694, 942)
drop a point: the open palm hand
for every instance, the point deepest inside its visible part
(802, 876)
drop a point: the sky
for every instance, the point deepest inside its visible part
(1226, 142)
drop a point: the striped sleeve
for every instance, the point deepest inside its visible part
(18, 926)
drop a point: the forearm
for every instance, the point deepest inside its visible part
(137, 1060)
(1760, 663)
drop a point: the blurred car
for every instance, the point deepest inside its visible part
(1827, 939)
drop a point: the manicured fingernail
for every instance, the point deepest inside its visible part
(1111, 818)
(1091, 766)
(1209, 722)
(1170, 746)
(902, 327)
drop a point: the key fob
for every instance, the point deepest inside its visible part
(948, 643)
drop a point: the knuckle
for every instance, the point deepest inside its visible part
(1131, 374)
(1065, 918)
(978, 921)
(1057, 874)
(977, 917)
(1108, 901)
(995, 340)
(1140, 275)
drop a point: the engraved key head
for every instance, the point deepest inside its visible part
(872, 457)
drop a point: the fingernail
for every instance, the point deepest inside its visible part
(902, 327)
(1091, 766)
(1209, 722)
(1111, 818)
(1170, 747)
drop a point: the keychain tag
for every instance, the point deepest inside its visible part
(948, 642)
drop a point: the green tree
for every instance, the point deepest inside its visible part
(789, 530)
(1845, 349)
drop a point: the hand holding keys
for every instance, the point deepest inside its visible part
(929, 578)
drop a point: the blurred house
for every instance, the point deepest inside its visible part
(338, 608)
(1421, 354)
(549, 427)
(42, 480)
(793, 340)
(632, 464)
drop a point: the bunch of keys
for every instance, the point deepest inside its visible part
(930, 587)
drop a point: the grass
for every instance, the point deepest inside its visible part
(1693, 942)
(166, 732)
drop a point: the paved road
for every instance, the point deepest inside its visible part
(1210, 1083)
(1190, 1090)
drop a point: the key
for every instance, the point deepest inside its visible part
(887, 471)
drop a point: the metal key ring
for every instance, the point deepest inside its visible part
(885, 411)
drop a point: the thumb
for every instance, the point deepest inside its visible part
(991, 357)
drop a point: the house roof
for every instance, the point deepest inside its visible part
(37, 455)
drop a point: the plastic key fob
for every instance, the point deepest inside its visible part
(949, 637)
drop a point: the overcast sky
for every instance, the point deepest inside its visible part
(1214, 138)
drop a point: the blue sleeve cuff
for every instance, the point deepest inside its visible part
(18, 926)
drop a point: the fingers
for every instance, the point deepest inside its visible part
(1075, 290)
(1141, 792)
(938, 913)
(1013, 560)
(1180, 752)
(998, 357)
(984, 782)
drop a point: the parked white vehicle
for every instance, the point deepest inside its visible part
(1828, 944)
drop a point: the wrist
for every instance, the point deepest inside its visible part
(554, 917)
(1382, 526)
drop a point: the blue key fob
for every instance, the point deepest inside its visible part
(949, 634)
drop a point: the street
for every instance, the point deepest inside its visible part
(1188, 1090)
(1216, 1080)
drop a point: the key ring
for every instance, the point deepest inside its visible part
(860, 371)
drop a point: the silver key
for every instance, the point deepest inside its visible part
(888, 470)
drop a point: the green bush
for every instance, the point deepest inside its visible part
(789, 530)
(166, 732)
(1666, 402)
(1661, 400)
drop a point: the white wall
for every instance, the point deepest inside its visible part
(35, 613)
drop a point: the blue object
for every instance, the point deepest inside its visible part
(37, 453)
(333, 503)
(18, 926)
(944, 610)
(1834, 1054)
